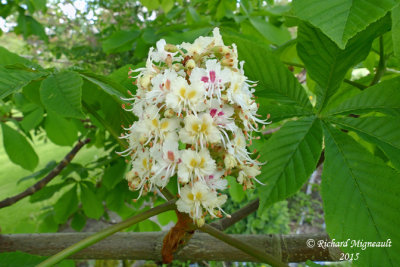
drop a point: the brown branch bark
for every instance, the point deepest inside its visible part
(39, 185)
(147, 246)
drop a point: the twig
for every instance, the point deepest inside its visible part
(39, 185)
(249, 249)
(381, 65)
(237, 216)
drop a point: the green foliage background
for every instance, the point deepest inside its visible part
(70, 87)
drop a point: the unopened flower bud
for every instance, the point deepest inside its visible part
(200, 222)
(190, 64)
(171, 48)
(169, 113)
(145, 81)
(229, 161)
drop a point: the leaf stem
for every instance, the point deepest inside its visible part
(382, 62)
(251, 250)
(104, 123)
(170, 205)
(355, 84)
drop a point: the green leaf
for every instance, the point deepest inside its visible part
(120, 41)
(78, 221)
(62, 93)
(121, 77)
(167, 217)
(148, 226)
(18, 149)
(382, 131)
(235, 189)
(291, 155)
(9, 58)
(279, 111)
(361, 198)
(59, 130)
(39, 174)
(16, 259)
(12, 80)
(92, 206)
(383, 97)
(396, 30)
(28, 26)
(107, 84)
(274, 79)
(114, 174)
(150, 4)
(32, 119)
(276, 35)
(326, 63)
(32, 92)
(341, 20)
(46, 192)
(66, 205)
(167, 5)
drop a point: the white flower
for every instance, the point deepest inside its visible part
(192, 96)
(185, 97)
(193, 199)
(247, 174)
(202, 44)
(199, 130)
(195, 165)
(167, 164)
(160, 54)
(161, 86)
(215, 182)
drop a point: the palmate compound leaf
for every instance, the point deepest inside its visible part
(383, 131)
(326, 63)
(291, 155)
(383, 97)
(361, 197)
(62, 93)
(18, 149)
(341, 20)
(274, 80)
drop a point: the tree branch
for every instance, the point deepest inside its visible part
(96, 237)
(147, 246)
(39, 185)
(253, 251)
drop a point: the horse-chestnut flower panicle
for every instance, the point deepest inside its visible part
(196, 113)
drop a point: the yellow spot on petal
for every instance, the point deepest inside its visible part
(164, 125)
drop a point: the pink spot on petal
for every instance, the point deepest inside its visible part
(204, 79)
(212, 76)
(171, 156)
(211, 177)
(221, 113)
(213, 112)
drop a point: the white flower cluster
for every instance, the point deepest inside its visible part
(195, 110)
